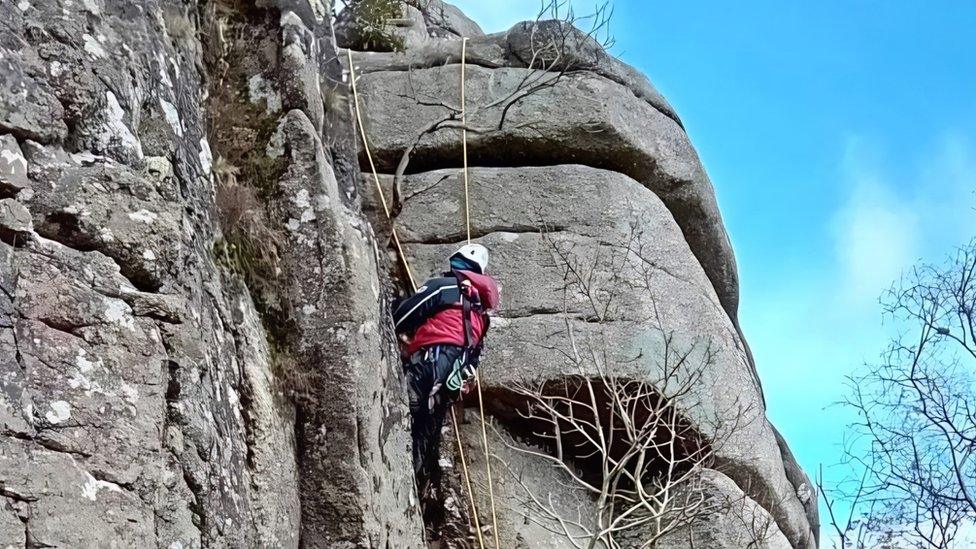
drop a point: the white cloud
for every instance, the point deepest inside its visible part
(948, 182)
(889, 221)
(876, 231)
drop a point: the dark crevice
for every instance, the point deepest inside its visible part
(445, 60)
(13, 238)
(139, 277)
(18, 354)
(173, 418)
(503, 151)
(21, 134)
(46, 444)
(55, 446)
(100, 476)
(65, 229)
(532, 311)
(456, 237)
(196, 506)
(246, 401)
(244, 391)
(173, 383)
(15, 496)
(511, 408)
(361, 445)
(59, 325)
(559, 313)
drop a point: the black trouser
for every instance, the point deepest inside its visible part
(427, 371)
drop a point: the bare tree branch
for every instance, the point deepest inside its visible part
(915, 431)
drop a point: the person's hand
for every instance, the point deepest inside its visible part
(404, 345)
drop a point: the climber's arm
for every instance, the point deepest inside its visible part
(433, 296)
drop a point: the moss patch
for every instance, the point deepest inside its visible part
(240, 42)
(372, 24)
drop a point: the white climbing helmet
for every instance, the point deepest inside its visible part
(474, 253)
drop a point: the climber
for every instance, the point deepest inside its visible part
(441, 329)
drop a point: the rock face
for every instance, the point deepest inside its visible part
(586, 174)
(147, 399)
(194, 282)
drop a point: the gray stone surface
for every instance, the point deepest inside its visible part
(13, 166)
(28, 106)
(555, 45)
(84, 384)
(358, 493)
(141, 401)
(515, 48)
(518, 480)
(147, 399)
(131, 215)
(12, 531)
(528, 216)
(732, 520)
(632, 252)
(355, 472)
(445, 20)
(617, 132)
(15, 221)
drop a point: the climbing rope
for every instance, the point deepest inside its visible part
(467, 226)
(464, 145)
(376, 177)
(413, 285)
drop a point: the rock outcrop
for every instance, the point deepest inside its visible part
(148, 399)
(194, 276)
(590, 166)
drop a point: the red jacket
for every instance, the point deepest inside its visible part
(446, 325)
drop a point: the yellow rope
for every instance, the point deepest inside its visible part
(464, 146)
(376, 177)
(467, 226)
(467, 478)
(413, 284)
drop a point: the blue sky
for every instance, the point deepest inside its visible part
(841, 139)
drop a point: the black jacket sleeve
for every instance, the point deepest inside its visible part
(433, 296)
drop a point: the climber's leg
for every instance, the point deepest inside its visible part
(419, 382)
(429, 403)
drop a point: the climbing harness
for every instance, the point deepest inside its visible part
(413, 284)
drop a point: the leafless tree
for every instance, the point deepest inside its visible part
(621, 436)
(916, 416)
(851, 513)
